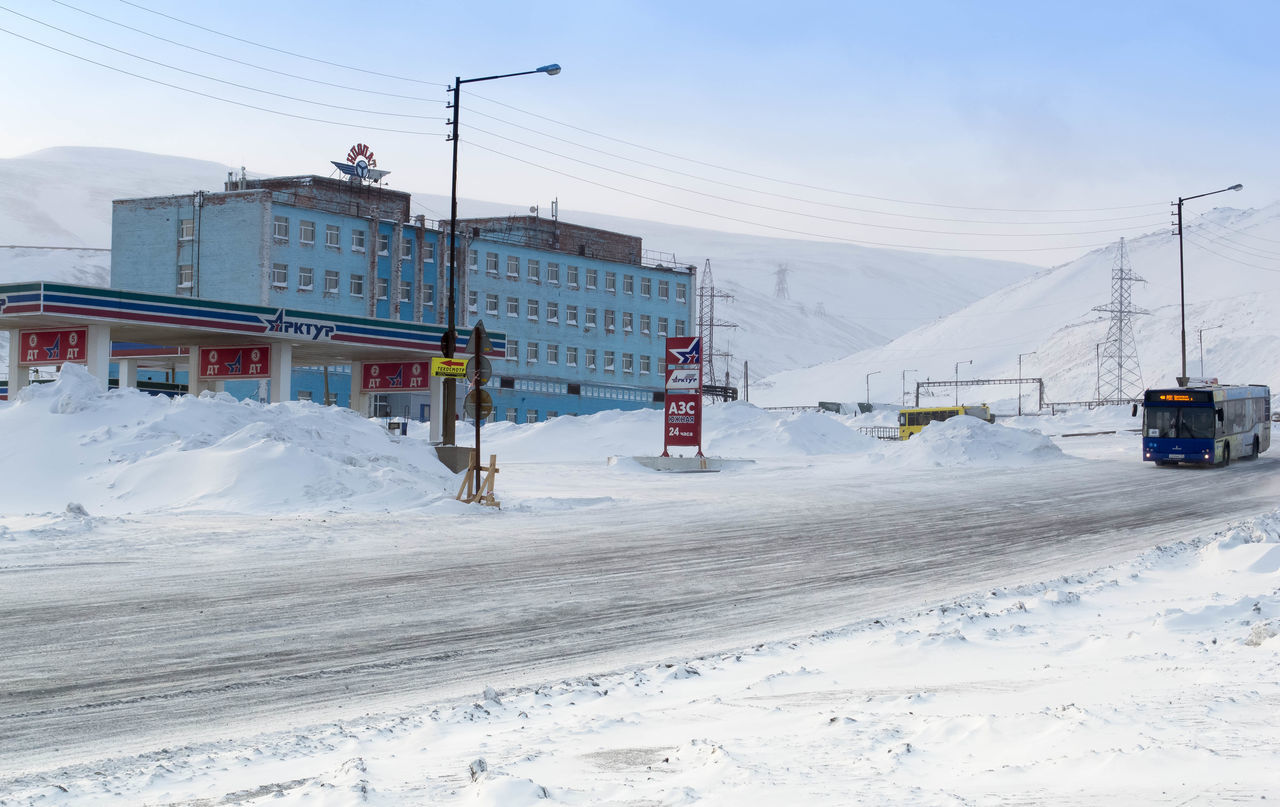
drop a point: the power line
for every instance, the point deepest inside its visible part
(1160, 205)
(212, 78)
(806, 215)
(224, 57)
(207, 95)
(1201, 245)
(280, 50)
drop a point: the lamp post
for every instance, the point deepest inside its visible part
(967, 361)
(1182, 284)
(451, 334)
(1020, 355)
(904, 385)
(1200, 337)
(868, 380)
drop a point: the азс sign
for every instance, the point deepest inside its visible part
(682, 418)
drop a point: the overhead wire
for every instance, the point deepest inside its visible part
(1194, 239)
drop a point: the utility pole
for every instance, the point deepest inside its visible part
(968, 362)
(904, 384)
(707, 322)
(1124, 376)
(1200, 338)
(868, 380)
(1020, 355)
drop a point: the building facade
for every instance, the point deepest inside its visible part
(585, 312)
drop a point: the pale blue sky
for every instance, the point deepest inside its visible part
(1012, 105)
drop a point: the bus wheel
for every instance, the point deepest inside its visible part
(1226, 454)
(1257, 448)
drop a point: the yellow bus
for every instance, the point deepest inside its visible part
(911, 421)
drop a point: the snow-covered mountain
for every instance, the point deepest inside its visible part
(840, 298)
(1232, 272)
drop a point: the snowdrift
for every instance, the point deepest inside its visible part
(968, 441)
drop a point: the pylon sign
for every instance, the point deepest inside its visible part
(682, 407)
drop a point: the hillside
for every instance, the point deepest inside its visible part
(842, 298)
(1233, 294)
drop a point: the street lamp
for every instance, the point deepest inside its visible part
(969, 362)
(1200, 337)
(868, 380)
(451, 335)
(1020, 355)
(904, 384)
(1182, 284)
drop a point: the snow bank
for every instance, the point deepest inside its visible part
(125, 452)
(968, 441)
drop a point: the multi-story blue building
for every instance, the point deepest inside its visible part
(584, 311)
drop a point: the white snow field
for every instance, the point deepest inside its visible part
(1142, 667)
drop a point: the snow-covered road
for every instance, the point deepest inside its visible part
(178, 628)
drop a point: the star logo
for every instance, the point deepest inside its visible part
(690, 355)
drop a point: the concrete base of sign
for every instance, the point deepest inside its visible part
(687, 465)
(455, 458)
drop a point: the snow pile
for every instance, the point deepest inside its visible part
(969, 441)
(127, 452)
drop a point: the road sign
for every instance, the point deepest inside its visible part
(486, 370)
(236, 361)
(481, 336)
(52, 347)
(449, 368)
(486, 404)
(395, 376)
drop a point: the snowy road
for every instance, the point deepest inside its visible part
(173, 629)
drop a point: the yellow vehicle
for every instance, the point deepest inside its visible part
(911, 421)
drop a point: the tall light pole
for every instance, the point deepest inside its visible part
(1200, 337)
(1182, 283)
(904, 385)
(1020, 355)
(967, 361)
(868, 380)
(450, 341)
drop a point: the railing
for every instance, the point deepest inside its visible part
(881, 432)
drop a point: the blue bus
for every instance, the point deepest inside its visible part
(1206, 425)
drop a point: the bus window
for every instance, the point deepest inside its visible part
(1190, 423)
(1197, 423)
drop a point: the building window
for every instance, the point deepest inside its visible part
(611, 282)
(646, 287)
(645, 320)
(571, 276)
(280, 228)
(330, 282)
(513, 306)
(590, 320)
(682, 292)
(406, 291)
(357, 240)
(553, 312)
(383, 283)
(357, 285)
(428, 294)
(186, 276)
(553, 274)
(531, 309)
(306, 278)
(626, 322)
(531, 353)
(591, 358)
(491, 305)
(571, 315)
(679, 327)
(473, 300)
(592, 276)
(628, 363)
(644, 365)
(491, 264)
(307, 232)
(332, 236)
(279, 275)
(609, 320)
(553, 354)
(513, 267)
(662, 326)
(406, 249)
(186, 229)
(513, 349)
(608, 361)
(531, 416)
(664, 289)
(628, 284)
(534, 271)
(571, 356)
(384, 243)
(513, 415)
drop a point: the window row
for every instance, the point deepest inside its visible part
(331, 280)
(574, 277)
(612, 361)
(548, 311)
(281, 231)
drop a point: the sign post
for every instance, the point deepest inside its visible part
(682, 404)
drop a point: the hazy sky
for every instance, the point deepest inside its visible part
(796, 119)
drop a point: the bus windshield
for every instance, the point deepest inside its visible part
(1185, 422)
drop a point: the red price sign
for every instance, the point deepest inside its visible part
(395, 376)
(52, 347)
(683, 420)
(236, 361)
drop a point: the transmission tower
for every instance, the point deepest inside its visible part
(707, 323)
(1120, 377)
(780, 285)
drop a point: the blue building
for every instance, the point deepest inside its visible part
(585, 311)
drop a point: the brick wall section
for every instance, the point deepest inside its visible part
(554, 236)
